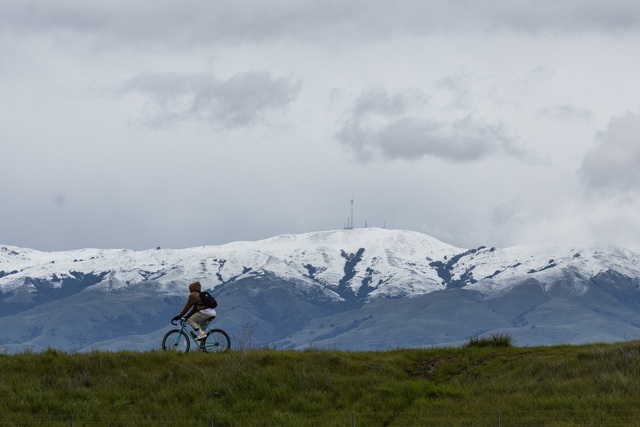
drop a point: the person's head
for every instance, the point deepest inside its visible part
(195, 287)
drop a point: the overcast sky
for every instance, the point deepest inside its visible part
(144, 123)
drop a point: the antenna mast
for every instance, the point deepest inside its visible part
(351, 227)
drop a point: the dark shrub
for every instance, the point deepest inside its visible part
(495, 340)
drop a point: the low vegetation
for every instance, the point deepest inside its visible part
(486, 385)
(495, 340)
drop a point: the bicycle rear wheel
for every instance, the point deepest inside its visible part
(217, 340)
(176, 340)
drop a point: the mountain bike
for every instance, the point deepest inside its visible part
(178, 339)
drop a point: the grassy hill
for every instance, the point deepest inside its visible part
(590, 385)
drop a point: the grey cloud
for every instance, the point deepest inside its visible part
(389, 126)
(457, 84)
(570, 16)
(567, 112)
(539, 76)
(192, 22)
(377, 101)
(411, 138)
(613, 165)
(244, 99)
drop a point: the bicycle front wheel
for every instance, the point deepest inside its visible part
(176, 340)
(217, 340)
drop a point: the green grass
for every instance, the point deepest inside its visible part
(588, 385)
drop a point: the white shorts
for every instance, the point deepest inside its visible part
(209, 312)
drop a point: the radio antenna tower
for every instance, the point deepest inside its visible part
(351, 225)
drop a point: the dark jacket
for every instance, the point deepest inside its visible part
(194, 303)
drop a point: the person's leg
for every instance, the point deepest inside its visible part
(205, 324)
(195, 321)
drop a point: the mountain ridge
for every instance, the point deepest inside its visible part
(284, 290)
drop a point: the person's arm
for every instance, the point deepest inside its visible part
(191, 301)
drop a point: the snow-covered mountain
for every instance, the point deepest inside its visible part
(355, 289)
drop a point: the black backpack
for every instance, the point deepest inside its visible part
(208, 299)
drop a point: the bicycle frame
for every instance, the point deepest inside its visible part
(216, 339)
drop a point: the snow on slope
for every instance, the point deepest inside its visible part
(499, 270)
(376, 262)
(394, 262)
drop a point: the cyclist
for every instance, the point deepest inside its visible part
(198, 313)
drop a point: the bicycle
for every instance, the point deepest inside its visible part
(178, 340)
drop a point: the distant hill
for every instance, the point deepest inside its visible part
(358, 289)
